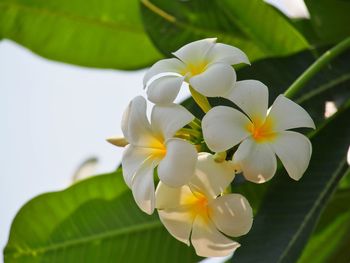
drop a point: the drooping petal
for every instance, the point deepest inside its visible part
(168, 119)
(211, 178)
(178, 222)
(252, 97)
(164, 89)
(173, 197)
(135, 125)
(171, 65)
(216, 81)
(294, 151)
(227, 54)
(286, 114)
(132, 159)
(196, 51)
(232, 214)
(256, 160)
(142, 186)
(208, 241)
(224, 127)
(179, 163)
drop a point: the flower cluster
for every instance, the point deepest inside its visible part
(192, 197)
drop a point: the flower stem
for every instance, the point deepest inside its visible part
(201, 100)
(329, 55)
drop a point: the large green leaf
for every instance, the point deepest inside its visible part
(93, 221)
(330, 19)
(290, 209)
(331, 240)
(254, 26)
(94, 33)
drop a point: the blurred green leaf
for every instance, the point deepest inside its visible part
(95, 220)
(93, 33)
(330, 19)
(331, 240)
(253, 26)
(290, 209)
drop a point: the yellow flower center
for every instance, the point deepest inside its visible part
(158, 147)
(262, 131)
(195, 68)
(198, 204)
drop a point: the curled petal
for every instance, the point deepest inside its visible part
(179, 163)
(286, 114)
(178, 222)
(216, 81)
(252, 97)
(164, 89)
(227, 54)
(232, 214)
(172, 197)
(224, 127)
(168, 119)
(211, 178)
(294, 151)
(208, 241)
(256, 160)
(135, 126)
(142, 186)
(196, 51)
(171, 65)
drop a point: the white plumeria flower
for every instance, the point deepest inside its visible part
(152, 144)
(204, 64)
(197, 211)
(261, 132)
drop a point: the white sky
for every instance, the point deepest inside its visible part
(54, 116)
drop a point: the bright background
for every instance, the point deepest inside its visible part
(54, 116)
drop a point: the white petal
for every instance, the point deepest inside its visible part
(169, 65)
(208, 241)
(252, 97)
(224, 127)
(216, 81)
(294, 151)
(232, 214)
(195, 51)
(166, 120)
(178, 222)
(227, 54)
(135, 125)
(256, 160)
(142, 186)
(164, 89)
(132, 159)
(178, 165)
(172, 197)
(286, 114)
(211, 178)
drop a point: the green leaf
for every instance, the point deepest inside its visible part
(92, 221)
(253, 26)
(290, 209)
(103, 34)
(330, 19)
(331, 240)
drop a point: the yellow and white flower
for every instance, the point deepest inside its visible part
(198, 212)
(204, 64)
(261, 132)
(152, 144)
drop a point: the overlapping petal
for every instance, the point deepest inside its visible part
(286, 114)
(294, 151)
(172, 197)
(256, 160)
(224, 127)
(232, 214)
(164, 89)
(215, 81)
(196, 51)
(226, 54)
(211, 178)
(166, 120)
